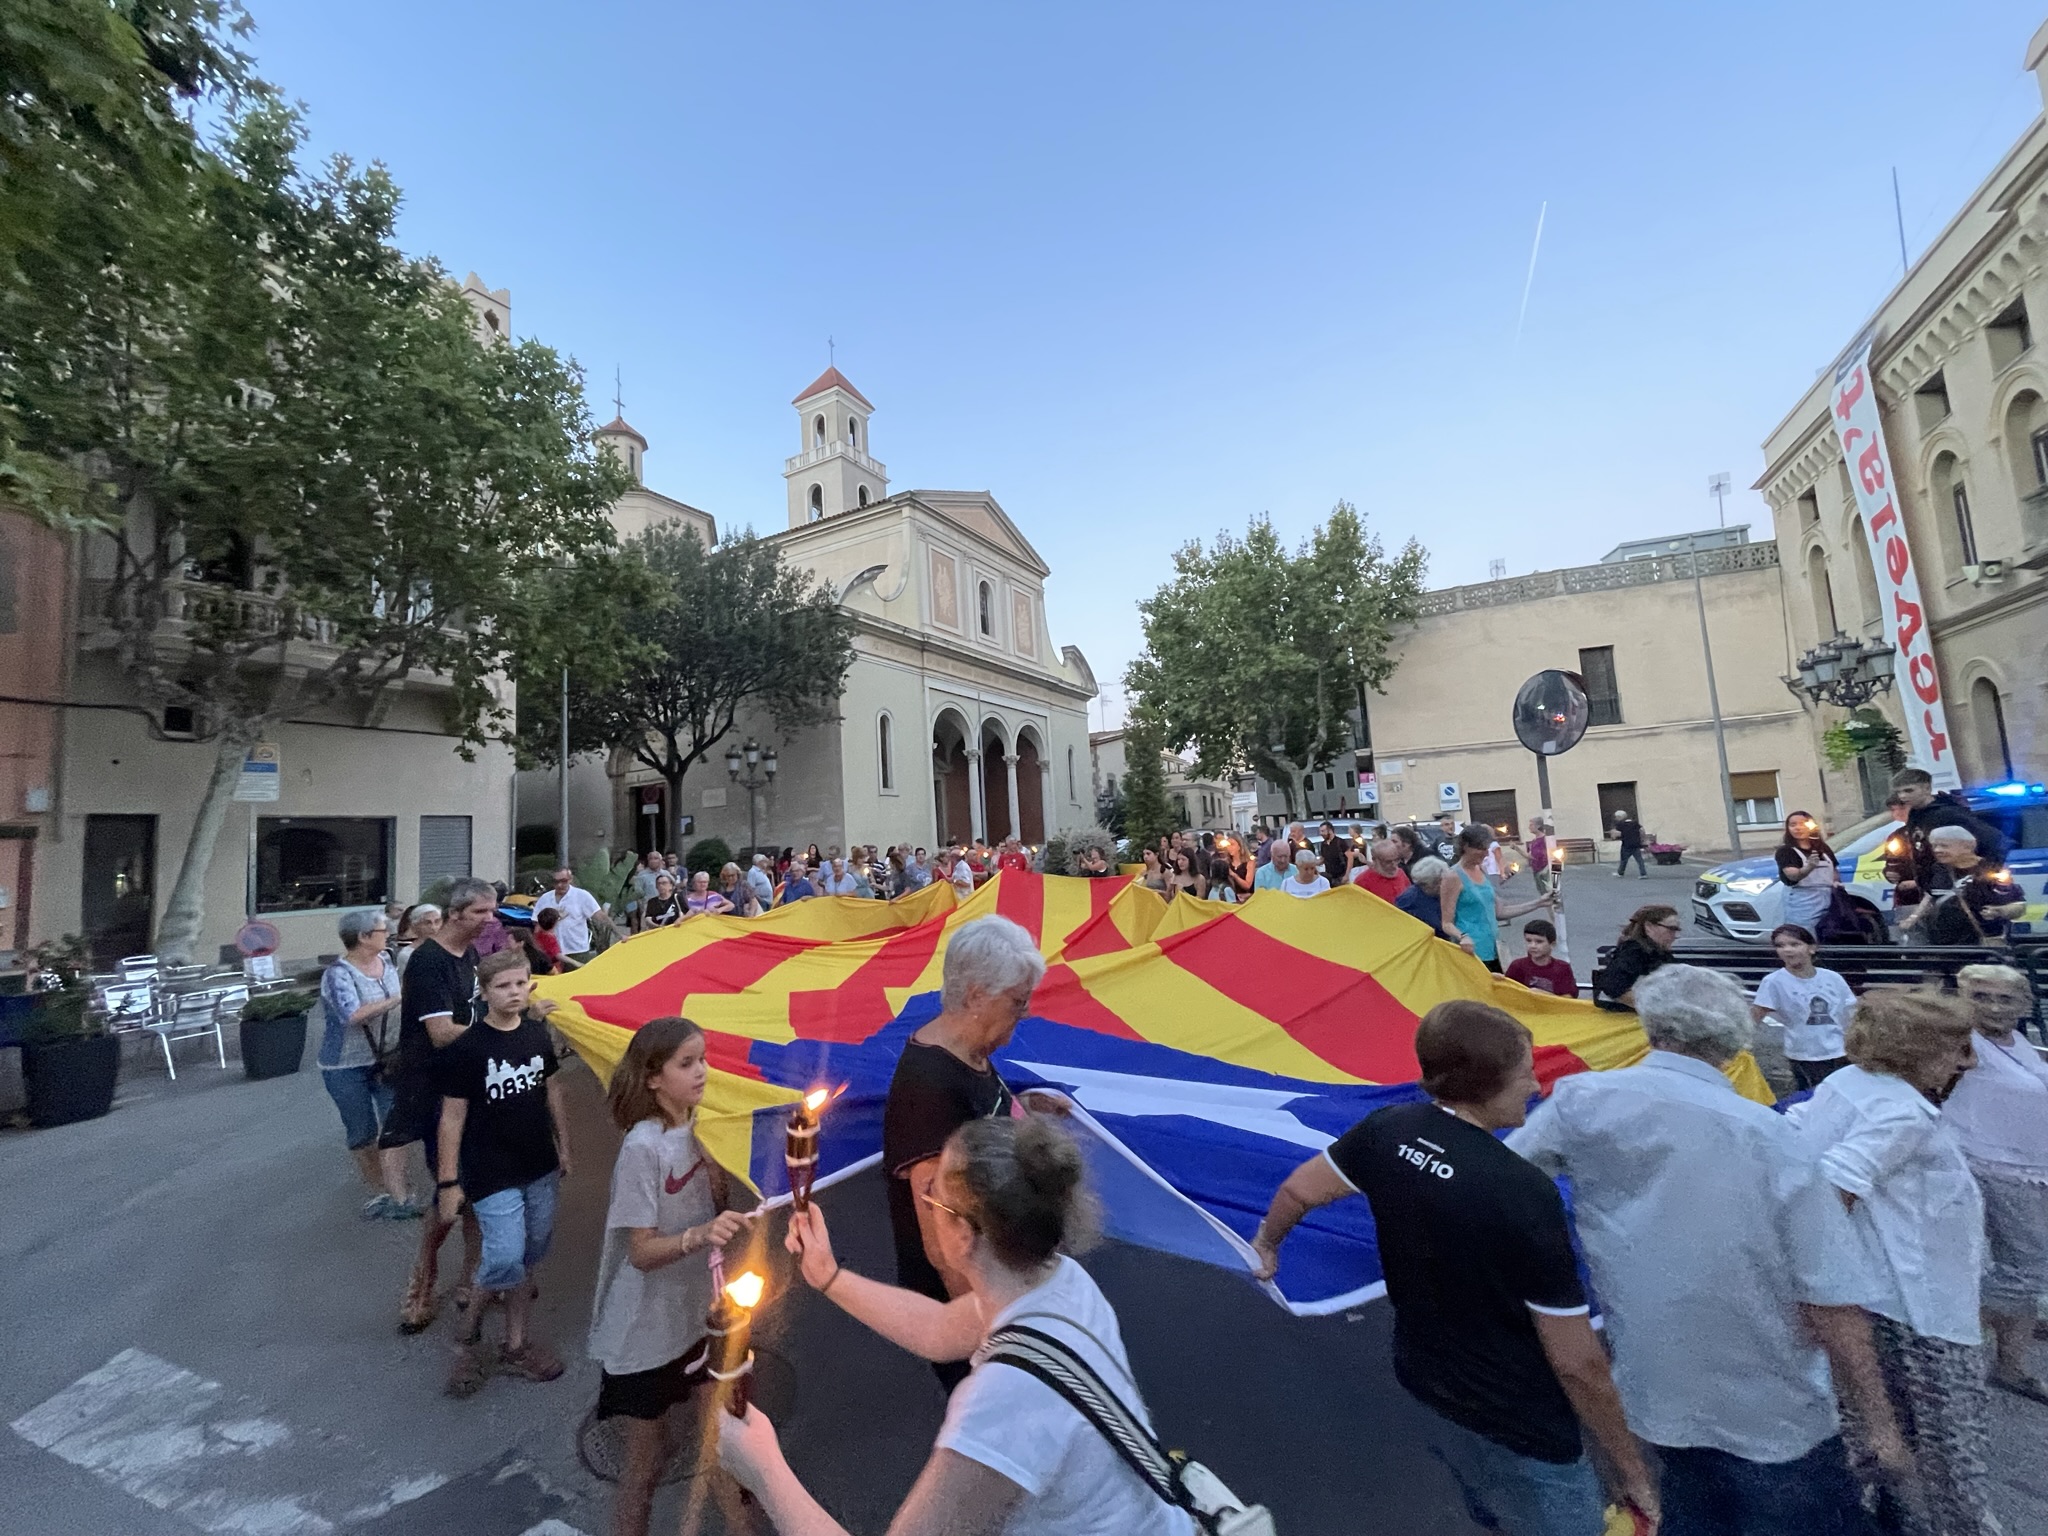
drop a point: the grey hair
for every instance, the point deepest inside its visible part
(1691, 1009)
(467, 890)
(359, 922)
(1426, 872)
(1952, 835)
(1305, 856)
(990, 955)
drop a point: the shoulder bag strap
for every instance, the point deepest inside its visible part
(1039, 1354)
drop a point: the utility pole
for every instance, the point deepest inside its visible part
(1713, 697)
(562, 810)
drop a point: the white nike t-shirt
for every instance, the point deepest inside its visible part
(1013, 1423)
(646, 1319)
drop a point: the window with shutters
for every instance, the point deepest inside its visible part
(1756, 799)
(444, 849)
(1603, 696)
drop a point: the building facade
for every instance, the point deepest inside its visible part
(1962, 395)
(960, 718)
(1443, 734)
(1200, 804)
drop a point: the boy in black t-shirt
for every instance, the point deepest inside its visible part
(1491, 1328)
(503, 1150)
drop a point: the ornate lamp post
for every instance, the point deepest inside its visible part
(760, 764)
(1844, 671)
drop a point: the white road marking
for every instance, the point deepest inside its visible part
(551, 1528)
(188, 1446)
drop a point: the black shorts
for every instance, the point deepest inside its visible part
(650, 1394)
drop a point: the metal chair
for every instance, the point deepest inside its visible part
(138, 967)
(193, 1016)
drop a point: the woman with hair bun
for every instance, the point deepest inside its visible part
(1013, 1455)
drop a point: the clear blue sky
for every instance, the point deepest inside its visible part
(1144, 270)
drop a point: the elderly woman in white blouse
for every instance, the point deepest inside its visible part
(1878, 1130)
(2000, 1112)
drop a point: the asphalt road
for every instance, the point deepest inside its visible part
(202, 1335)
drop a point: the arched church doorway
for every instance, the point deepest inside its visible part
(998, 815)
(952, 798)
(1030, 789)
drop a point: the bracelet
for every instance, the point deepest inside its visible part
(836, 1271)
(449, 1184)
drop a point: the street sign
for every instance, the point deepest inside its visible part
(1449, 797)
(262, 768)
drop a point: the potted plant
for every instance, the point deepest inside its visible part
(69, 1060)
(274, 1032)
(1667, 853)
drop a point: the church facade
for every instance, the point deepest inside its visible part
(960, 718)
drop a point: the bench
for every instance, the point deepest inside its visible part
(1865, 965)
(1579, 850)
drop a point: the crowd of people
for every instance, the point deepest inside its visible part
(1804, 1310)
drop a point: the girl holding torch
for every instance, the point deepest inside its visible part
(672, 1210)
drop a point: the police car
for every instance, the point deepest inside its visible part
(1744, 899)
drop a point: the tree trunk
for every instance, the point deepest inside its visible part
(185, 911)
(672, 836)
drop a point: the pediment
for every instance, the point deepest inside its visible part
(978, 513)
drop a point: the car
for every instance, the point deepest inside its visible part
(1744, 899)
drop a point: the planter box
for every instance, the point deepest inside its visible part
(273, 1047)
(71, 1080)
(1667, 858)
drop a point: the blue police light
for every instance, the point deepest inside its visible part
(2016, 789)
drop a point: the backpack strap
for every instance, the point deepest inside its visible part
(1041, 1355)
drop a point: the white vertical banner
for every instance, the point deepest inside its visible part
(1854, 404)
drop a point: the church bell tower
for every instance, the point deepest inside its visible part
(832, 472)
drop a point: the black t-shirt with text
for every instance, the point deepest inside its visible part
(931, 1096)
(508, 1138)
(1471, 1237)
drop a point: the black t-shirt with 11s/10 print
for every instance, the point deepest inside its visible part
(1473, 1243)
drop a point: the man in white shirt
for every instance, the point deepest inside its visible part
(1730, 1278)
(837, 879)
(761, 881)
(577, 907)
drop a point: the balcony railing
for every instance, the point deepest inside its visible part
(823, 451)
(1760, 556)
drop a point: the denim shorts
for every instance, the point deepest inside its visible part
(518, 1224)
(364, 1100)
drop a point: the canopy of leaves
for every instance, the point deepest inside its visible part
(708, 635)
(1254, 655)
(1147, 814)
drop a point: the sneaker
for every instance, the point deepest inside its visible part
(404, 1210)
(533, 1360)
(378, 1208)
(470, 1370)
(416, 1312)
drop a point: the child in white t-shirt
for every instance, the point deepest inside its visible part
(670, 1205)
(1811, 1003)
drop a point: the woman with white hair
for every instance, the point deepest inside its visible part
(943, 1080)
(360, 999)
(1308, 878)
(1969, 901)
(2000, 1112)
(1883, 1142)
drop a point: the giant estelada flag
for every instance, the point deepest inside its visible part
(1208, 1048)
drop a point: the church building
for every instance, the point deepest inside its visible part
(959, 718)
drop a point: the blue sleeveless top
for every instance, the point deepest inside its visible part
(1475, 915)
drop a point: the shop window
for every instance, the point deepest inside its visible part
(322, 861)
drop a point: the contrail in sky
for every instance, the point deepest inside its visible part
(1530, 281)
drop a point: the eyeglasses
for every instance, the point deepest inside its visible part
(939, 1205)
(1673, 927)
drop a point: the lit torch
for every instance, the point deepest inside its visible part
(728, 1350)
(800, 1148)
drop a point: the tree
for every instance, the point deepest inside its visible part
(721, 631)
(318, 481)
(1147, 814)
(98, 159)
(1255, 658)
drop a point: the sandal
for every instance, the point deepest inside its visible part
(532, 1360)
(472, 1368)
(416, 1313)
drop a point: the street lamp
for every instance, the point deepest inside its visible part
(1844, 671)
(760, 763)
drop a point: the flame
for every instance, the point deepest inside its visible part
(815, 1099)
(746, 1291)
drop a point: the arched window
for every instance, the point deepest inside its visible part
(1951, 497)
(818, 432)
(1072, 792)
(1987, 712)
(1866, 574)
(863, 495)
(2026, 440)
(853, 430)
(986, 601)
(886, 742)
(817, 502)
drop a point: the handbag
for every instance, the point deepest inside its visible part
(1171, 1475)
